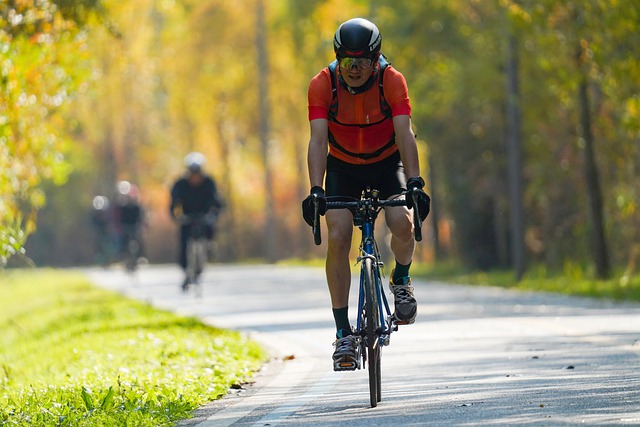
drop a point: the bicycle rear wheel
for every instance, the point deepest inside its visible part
(132, 255)
(372, 317)
(201, 252)
(192, 261)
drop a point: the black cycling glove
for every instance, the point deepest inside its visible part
(423, 201)
(308, 208)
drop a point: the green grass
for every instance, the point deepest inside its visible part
(75, 355)
(572, 280)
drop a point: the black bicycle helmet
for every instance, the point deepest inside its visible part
(357, 38)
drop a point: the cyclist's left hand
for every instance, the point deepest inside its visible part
(308, 208)
(415, 185)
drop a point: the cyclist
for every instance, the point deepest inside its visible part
(101, 221)
(128, 216)
(361, 135)
(195, 193)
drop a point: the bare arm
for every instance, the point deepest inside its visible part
(317, 154)
(406, 141)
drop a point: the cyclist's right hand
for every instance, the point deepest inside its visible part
(177, 212)
(308, 206)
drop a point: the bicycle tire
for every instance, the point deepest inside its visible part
(379, 346)
(372, 316)
(192, 260)
(133, 253)
(201, 264)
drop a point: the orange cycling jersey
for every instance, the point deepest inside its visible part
(360, 133)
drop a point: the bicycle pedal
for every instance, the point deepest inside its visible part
(397, 321)
(345, 366)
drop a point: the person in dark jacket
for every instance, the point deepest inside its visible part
(128, 218)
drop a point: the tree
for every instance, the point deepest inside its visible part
(166, 78)
(42, 66)
(579, 27)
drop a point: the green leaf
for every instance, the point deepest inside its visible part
(86, 397)
(107, 401)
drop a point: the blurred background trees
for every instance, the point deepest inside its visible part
(96, 92)
(43, 62)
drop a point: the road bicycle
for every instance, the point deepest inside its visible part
(375, 322)
(132, 248)
(196, 251)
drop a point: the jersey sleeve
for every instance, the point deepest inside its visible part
(396, 92)
(176, 197)
(319, 95)
(216, 198)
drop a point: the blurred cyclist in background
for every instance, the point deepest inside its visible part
(128, 217)
(194, 195)
(101, 221)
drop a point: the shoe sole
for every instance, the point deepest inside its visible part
(398, 321)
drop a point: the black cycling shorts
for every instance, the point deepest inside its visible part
(347, 179)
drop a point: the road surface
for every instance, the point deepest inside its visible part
(475, 356)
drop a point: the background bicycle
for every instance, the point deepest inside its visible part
(132, 248)
(197, 250)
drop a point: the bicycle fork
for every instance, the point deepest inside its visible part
(386, 325)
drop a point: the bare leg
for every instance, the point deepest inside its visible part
(340, 227)
(400, 224)
(402, 245)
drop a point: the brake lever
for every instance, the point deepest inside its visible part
(317, 237)
(417, 222)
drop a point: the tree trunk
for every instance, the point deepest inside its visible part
(269, 244)
(594, 194)
(514, 141)
(438, 251)
(230, 249)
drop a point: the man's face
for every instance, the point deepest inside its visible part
(356, 71)
(195, 179)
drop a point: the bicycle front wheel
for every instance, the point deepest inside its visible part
(372, 317)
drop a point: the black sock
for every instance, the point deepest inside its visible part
(400, 271)
(341, 316)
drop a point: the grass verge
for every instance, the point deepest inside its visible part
(572, 280)
(75, 355)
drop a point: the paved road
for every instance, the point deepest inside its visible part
(475, 356)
